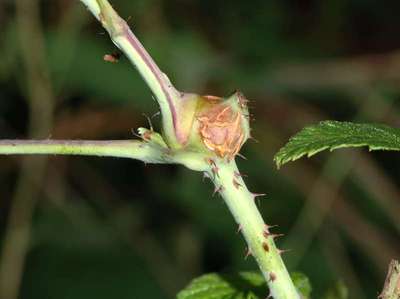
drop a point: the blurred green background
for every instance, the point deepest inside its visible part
(78, 228)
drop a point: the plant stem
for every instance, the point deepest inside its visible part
(166, 94)
(391, 289)
(114, 148)
(260, 241)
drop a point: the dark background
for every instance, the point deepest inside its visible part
(83, 227)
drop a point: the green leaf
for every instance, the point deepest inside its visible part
(302, 284)
(244, 285)
(333, 135)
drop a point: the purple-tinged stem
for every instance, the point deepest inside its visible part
(122, 36)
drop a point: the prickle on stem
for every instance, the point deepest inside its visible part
(268, 227)
(267, 233)
(236, 184)
(282, 251)
(218, 189)
(239, 228)
(258, 194)
(206, 176)
(238, 175)
(214, 167)
(248, 253)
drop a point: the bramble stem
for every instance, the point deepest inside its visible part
(260, 241)
(121, 35)
(391, 289)
(114, 148)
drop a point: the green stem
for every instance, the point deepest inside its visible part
(391, 289)
(133, 149)
(121, 35)
(260, 241)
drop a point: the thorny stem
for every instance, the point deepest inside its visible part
(259, 238)
(167, 96)
(391, 290)
(153, 150)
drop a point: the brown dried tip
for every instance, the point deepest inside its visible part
(113, 57)
(146, 136)
(221, 130)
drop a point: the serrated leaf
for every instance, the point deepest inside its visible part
(244, 285)
(333, 135)
(302, 284)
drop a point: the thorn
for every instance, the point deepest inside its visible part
(268, 227)
(239, 229)
(206, 176)
(149, 121)
(211, 162)
(265, 246)
(239, 175)
(241, 156)
(156, 114)
(236, 184)
(253, 139)
(215, 171)
(266, 232)
(272, 277)
(280, 251)
(273, 236)
(218, 190)
(248, 253)
(255, 195)
(214, 167)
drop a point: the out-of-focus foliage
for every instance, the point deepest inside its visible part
(116, 228)
(302, 284)
(333, 135)
(338, 291)
(246, 285)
